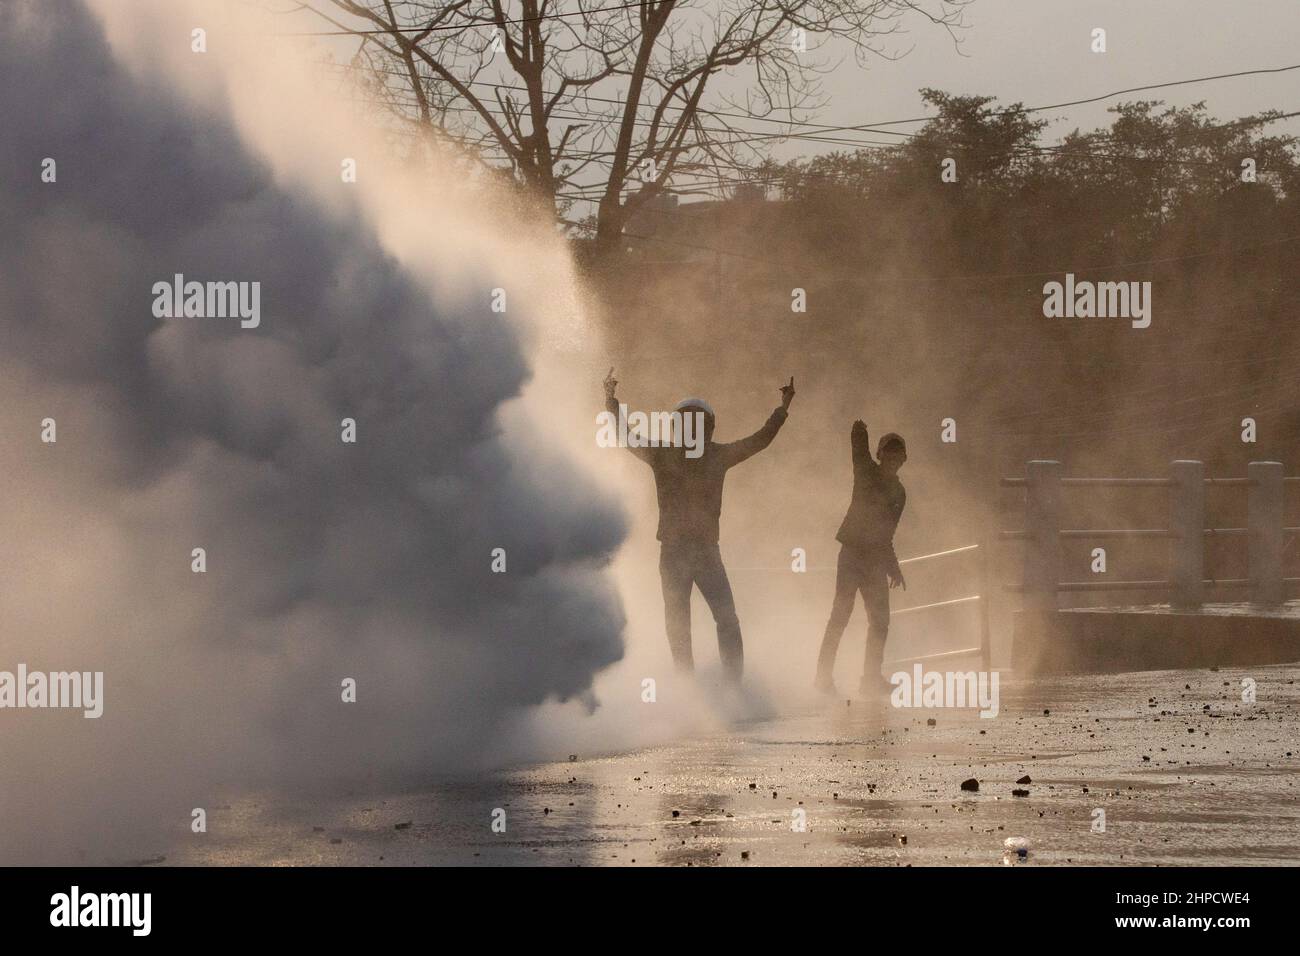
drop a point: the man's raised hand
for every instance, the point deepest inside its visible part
(787, 393)
(610, 383)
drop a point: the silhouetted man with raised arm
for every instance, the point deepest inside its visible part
(867, 561)
(688, 484)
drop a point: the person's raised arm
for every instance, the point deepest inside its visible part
(738, 451)
(615, 408)
(863, 463)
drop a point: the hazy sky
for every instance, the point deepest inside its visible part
(1038, 52)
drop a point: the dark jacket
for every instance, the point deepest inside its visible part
(877, 504)
(690, 489)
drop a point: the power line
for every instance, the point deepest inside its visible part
(1060, 150)
(614, 120)
(1081, 102)
(868, 127)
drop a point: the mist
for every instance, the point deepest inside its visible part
(325, 560)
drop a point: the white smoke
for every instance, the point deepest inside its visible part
(325, 560)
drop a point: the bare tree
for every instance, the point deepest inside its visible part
(604, 101)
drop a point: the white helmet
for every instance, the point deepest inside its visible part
(695, 403)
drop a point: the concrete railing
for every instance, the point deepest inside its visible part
(1186, 583)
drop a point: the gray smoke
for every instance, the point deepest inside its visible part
(325, 560)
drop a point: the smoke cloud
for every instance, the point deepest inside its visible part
(325, 560)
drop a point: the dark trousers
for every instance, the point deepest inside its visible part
(681, 565)
(856, 573)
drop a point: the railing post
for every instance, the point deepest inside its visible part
(1264, 519)
(1187, 522)
(1043, 524)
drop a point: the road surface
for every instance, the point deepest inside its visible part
(1185, 772)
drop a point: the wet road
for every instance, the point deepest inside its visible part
(1184, 771)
